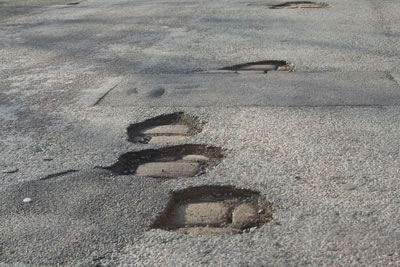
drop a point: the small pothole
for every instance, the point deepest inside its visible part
(169, 162)
(73, 3)
(164, 129)
(300, 4)
(214, 210)
(262, 66)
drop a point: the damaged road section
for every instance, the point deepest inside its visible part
(164, 129)
(169, 162)
(262, 66)
(300, 4)
(215, 210)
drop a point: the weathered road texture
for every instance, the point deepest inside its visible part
(321, 143)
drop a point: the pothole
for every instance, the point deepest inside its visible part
(169, 162)
(262, 66)
(73, 3)
(300, 4)
(214, 210)
(164, 129)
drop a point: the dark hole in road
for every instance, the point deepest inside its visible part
(164, 129)
(300, 4)
(73, 4)
(169, 162)
(156, 93)
(214, 210)
(262, 66)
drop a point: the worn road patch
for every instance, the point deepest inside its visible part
(272, 89)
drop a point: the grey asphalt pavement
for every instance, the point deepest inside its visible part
(322, 143)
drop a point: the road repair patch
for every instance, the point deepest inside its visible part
(228, 89)
(169, 162)
(214, 210)
(164, 129)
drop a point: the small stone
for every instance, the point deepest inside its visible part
(252, 229)
(9, 170)
(168, 169)
(200, 214)
(166, 139)
(289, 67)
(177, 129)
(27, 200)
(140, 139)
(244, 216)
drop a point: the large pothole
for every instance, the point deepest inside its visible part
(169, 162)
(300, 4)
(214, 210)
(164, 129)
(261, 66)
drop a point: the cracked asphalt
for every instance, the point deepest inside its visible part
(322, 143)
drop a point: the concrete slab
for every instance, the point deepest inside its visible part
(272, 89)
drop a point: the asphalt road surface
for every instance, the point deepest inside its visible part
(321, 144)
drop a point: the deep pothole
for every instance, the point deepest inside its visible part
(214, 210)
(262, 66)
(164, 129)
(169, 162)
(300, 4)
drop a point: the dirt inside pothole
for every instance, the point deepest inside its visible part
(300, 4)
(261, 66)
(214, 210)
(169, 162)
(164, 129)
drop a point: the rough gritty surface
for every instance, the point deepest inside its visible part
(331, 172)
(208, 230)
